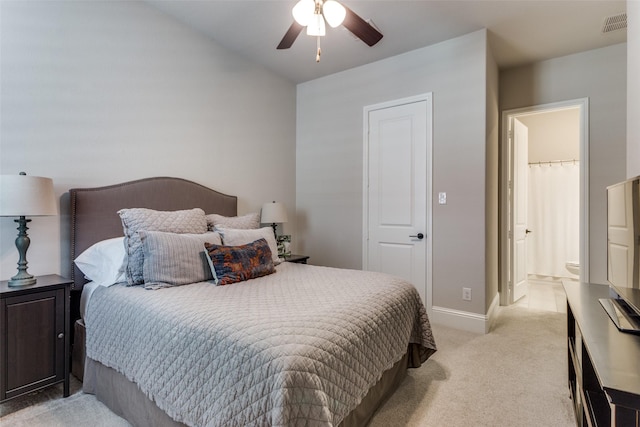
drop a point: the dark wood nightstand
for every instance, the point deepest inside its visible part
(34, 336)
(300, 259)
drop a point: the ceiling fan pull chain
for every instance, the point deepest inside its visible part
(319, 52)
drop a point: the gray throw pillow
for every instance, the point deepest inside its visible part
(244, 222)
(172, 259)
(142, 219)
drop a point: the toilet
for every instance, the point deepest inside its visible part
(573, 267)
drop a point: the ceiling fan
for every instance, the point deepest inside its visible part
(313, 13)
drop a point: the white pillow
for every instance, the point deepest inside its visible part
(103, 263)
(235, 237)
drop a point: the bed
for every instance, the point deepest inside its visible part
(304, 345)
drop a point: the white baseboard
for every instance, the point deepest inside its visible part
(464, 320)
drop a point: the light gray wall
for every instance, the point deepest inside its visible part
(97, 93)
(553, 135)
(600, 75)
(633, 88)
(329, 160)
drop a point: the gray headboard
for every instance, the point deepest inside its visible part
(94, 210)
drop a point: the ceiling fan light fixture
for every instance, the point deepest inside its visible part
(333, 12)
(316, 27)
(303, 12)
(313, 14)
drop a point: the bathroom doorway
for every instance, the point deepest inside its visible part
(544, 210)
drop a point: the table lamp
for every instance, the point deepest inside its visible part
(22, 196)
(273, 213)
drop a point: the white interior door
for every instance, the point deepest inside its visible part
(519, 211)
(396, 195)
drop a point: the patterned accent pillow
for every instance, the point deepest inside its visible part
(231, 264)
(137, 219)
(233, 237)
(172, 259)
(243, 222)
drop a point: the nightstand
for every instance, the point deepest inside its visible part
(299, 259)
(34, 336)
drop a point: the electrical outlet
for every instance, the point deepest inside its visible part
(442, 198)
(466, 294)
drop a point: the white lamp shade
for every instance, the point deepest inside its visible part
(333, 12)
(273, 213)
(303, 12)
(316, 26)
(24, 195)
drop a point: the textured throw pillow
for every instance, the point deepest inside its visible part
(234, 237)
(172, 259)
(103, 262)
(231, 264)
(243, 222)
(138, 219)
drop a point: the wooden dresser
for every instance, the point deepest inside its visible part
(604, 363)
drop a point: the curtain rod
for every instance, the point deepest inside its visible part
(550, 162)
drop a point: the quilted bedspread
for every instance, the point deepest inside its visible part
(301, 346)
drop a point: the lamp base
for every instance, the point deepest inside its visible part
(23, 278)
(17, 282)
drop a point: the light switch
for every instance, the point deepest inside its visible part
(442, 198)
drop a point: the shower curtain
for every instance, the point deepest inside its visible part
(553, 218)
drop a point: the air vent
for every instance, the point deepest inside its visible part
(615, 22)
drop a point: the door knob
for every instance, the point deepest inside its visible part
(527, 231)
(419, 236)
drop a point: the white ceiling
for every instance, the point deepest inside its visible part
(520, 31)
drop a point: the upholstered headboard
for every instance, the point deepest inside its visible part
(94, 214)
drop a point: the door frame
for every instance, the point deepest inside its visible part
(428, 98)
(507, 164)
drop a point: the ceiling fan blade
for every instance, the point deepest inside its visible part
(290, 36)
(361, 28)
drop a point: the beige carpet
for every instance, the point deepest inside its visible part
(514, 376)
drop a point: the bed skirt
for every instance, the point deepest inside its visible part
(125, 399)
(78, 352)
